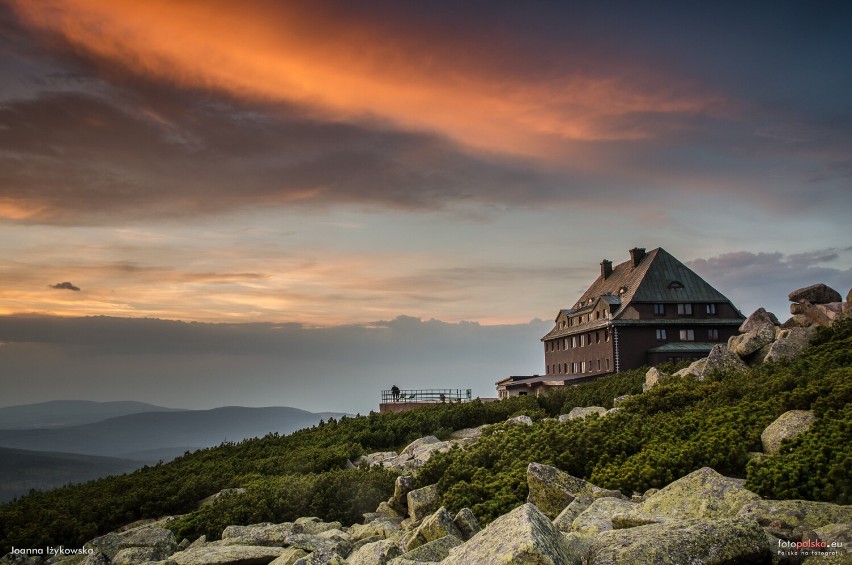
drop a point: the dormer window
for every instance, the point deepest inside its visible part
(622, 290)
(675, 285)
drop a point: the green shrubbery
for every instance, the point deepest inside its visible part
(655, 438)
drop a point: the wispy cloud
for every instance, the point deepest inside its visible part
(65, 286)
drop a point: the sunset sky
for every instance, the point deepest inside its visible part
(388, 176)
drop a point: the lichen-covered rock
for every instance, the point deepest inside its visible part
(816, 294)
(721, 360)
(433, 527)
(321, 557)
(136, 555)
(760, 319)
(787, 426)
(598, 516)
(424, 452)
(755, 340)
(565, 520)
(377, 553)
(289, 556)
(695, 369)
(422, 502)
(467, 523)
(784, 516)
(435, 550)
(790, 344)
(652, 378)
(313, 526)
(409, 449)
(712, 542)
(402, 486)
(552, 490)
(161, 539)
(314, 543)
(701, 494)
(227, 555)
(579, 413)
(271, 535)
(814, 313)
(520, 420)
(382, 527)
(524, 536)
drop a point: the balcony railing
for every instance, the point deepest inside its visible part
(427, 395)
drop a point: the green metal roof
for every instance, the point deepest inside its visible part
(683, 347)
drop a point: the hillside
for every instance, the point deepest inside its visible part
(156, 435)
(22, 470)
(63, 413)
(677, 427)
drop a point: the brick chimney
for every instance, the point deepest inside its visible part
(606, 268)
(636, 255)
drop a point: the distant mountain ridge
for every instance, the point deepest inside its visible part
(22, 470)
(64, 413)
(148, 435)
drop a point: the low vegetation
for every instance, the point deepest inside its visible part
(654, 438)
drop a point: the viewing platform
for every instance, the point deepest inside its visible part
(407, 399)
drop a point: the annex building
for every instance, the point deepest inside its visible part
(644, 311)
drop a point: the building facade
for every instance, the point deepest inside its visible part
(644, 311)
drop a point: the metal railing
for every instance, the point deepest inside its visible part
(426, 395)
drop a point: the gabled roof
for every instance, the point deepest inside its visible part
(658, 277)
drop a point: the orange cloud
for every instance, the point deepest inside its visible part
(348, 69)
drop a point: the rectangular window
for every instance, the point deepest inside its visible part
(599, 364)
(687, 335)
(582, 366)
(711, 308)
(659, 309)
(661, 335)
(607, 363)
(583, 340)
(684, 309)
(713, 335)
(565, 343)
(573, 367)
(597, 337)
(573, 341)
(606, 335)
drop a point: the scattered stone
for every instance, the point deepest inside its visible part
(524, 535)
(565, 520)
(618, 400)
(520, 420)
(701, 494)
(815, 294)
(782, 517)
(382, 527)
(712, 542)
(759, 320)
(411, 447)
(695, 369)
(467, 523)
(399, 501)
(787, 426)
(552, 490)
(160, 539)
(579, 413)
(378, 553)
(314, 526)
(754, 340)
(135, 555)
(814, 313)
(423, 502)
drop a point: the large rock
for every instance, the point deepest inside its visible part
(579, 413)
(423, 502)
(467, 523)
(403, 485)
(722, 360)
(381, 527)
(701, 494)
(289, 556)
(598, 516)
(551, 489)
(378, 553)
(161, 540)
(313, 526)
(790, 343)
(433, 527)
(695, 369)
(788, 515)
(434, 551)
(137, 555)
(707, 542)
(411, 447)
(469, 433)
(315, 543)
(815, 314)
(227, 555)
(520, 420)
(815, 294)
(759, 319)
(787, 426)
(523, 536)
(652, 378)
(271, 535)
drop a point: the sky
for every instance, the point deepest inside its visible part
(208, 203)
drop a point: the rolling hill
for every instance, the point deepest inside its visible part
(64, 413)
